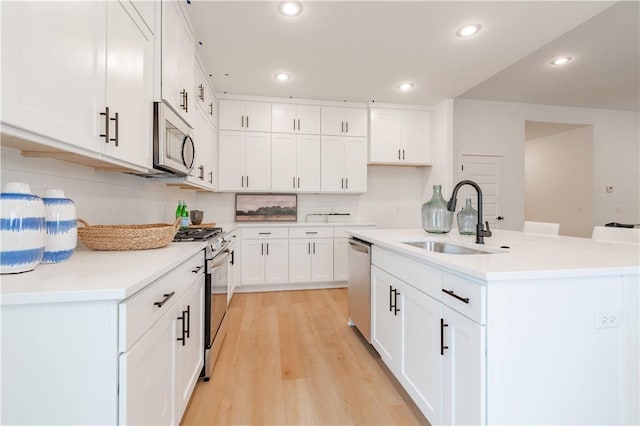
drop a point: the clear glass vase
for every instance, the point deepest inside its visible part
(435, 216)
(467, 219)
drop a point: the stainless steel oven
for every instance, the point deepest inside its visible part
(173, 148)
(216, 286)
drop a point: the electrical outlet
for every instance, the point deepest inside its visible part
(607, 320)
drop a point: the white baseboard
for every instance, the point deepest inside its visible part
(254, 288)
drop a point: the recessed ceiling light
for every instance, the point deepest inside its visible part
(405, 86)
(561, 60)
(283, 76)
(290, 8)
(468, 30)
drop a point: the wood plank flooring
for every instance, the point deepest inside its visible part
(290, 358)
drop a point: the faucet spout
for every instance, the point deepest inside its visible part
(481, 232)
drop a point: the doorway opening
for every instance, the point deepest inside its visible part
(559, 176)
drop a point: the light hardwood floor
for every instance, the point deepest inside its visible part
(290, 358)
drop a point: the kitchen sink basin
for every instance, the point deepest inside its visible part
(446, 248)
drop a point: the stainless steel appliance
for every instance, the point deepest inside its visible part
(359, 286)
(217, 261)
(173, 148)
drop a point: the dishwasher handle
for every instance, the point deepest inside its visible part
(358, 246)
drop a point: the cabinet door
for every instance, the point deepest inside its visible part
(355, 122)
(231, 161)
(299, 260)
(332, 121)
(53, 69)
(464, 370)
(308, 163)
(386, 131)
(355, 164)
(129, 78)
(322, 260)
(416, 137)
(340, 259)
(258, 116)
(231, 115)
(253, 260)
(200, 89)
(283, 118)
(190, 352)
(283, 162)
(146, 376)
(386, 335)
(308, 119)
(257, 161)
(276, 261)
(332, 164)
(422, 362)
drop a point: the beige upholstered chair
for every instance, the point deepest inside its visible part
(616, 235)
(541, 228)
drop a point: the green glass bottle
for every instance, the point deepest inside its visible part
(184, 221)
(179, 209)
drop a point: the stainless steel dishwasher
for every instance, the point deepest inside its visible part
(359, 290)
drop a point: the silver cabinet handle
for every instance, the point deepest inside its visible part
(342, 127)
(298, 183)
(117, 121)
(298, 124)
(211, 109)
(247, 181)
(398, 154)
(186, 101)
(264, 233)
(347, 183)
(242, 121)
(267, 249)
(105, 135)
(247, 121)
(342, 183)
(261, 249)
(210, 177)
(242, 181)
(309, 247)
(347, 127)
(294, 181)
(201, 88)
(311, 232)
(201, 168)
(294, 124)
(314, 247)
(403, 154)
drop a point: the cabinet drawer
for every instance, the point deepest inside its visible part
(139, 312)
(420, 276)
(311, 232)
(465, 296)
(265, 233)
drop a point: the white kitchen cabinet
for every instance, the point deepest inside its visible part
(344, 121)
(399, 136)
(245, 161)
(189, 344)
(311, 260)
(204, 96)
(241, 115)
(295, 163)
(386, 335)
(343, 163)
(178, 52)
(292, 118)
(203, 173)
(80, 74)
(265, 261)
(340, 259)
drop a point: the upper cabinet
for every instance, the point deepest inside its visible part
(400, 136)
(343, 164)
(204, 96)
(248, 116)
(291, 118)
(178, 52)
(295, 163)
(79, 75)
(344, 121)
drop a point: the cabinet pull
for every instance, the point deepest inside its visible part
(242, 121)
(347, 127)
(211, 109)
(346, 183)
(309, 247)
(395, 302)
(201, 168)
(298, 182)
(398, 154)
(210, 177)
(201, 88)
(186, 101)
(233, 257)
(342, 127)
(442, 326)
(451, 293)
(261, 249)
(247, 121)
(196, 269)
(342, 183)
(105, 135)
(243, 181)
(188, 311)
(167, 296)
(267, 249)
(403, 154)
(247, 181)
(311, 232)
(183, 93)
(314, 247)
(298, 124)
(184, 330)
(390, 298)
(117, 120)
(294, 124)
(264, 233)
(294, 181)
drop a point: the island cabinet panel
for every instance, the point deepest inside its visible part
(386, 335)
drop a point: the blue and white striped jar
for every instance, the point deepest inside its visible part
(22, 229)
(62, 228)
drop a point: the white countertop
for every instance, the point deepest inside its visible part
(528, 257)
(94, 275)
(230, 226)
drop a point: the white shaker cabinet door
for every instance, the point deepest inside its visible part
(355, 122)
(308, 163)
(257, 161)
(283, 162)
(299, 260)
(416, 137)
(129, 79)
(322, 260)
(147, 386)
(231, 161)
(308, 119)
(252, 264)
(276, 268)
(53, 69)
(258, 116)
(231, 115)
(464, 370)
(332, 164)
(386, 130)
(355, 164)
(332, 121)
(386, 335)
(283, 118)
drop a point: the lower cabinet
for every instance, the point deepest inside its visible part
(340, 262)
(265, 261)
(437, 354)
(311, 260)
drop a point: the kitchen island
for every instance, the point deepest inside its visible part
(537, 330)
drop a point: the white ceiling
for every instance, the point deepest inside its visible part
(359, 51)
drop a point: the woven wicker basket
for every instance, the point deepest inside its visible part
(127, 237)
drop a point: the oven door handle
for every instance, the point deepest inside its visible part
(220, 259)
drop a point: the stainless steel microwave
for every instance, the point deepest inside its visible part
(173, 148)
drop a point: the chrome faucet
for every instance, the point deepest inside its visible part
(481, 232)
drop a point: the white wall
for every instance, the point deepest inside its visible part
(100, 198)
(556, 168)
(497, 128)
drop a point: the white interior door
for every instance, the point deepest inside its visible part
(486, 171)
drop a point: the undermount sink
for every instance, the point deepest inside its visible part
(446, 248)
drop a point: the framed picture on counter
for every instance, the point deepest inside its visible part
(266, 207)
